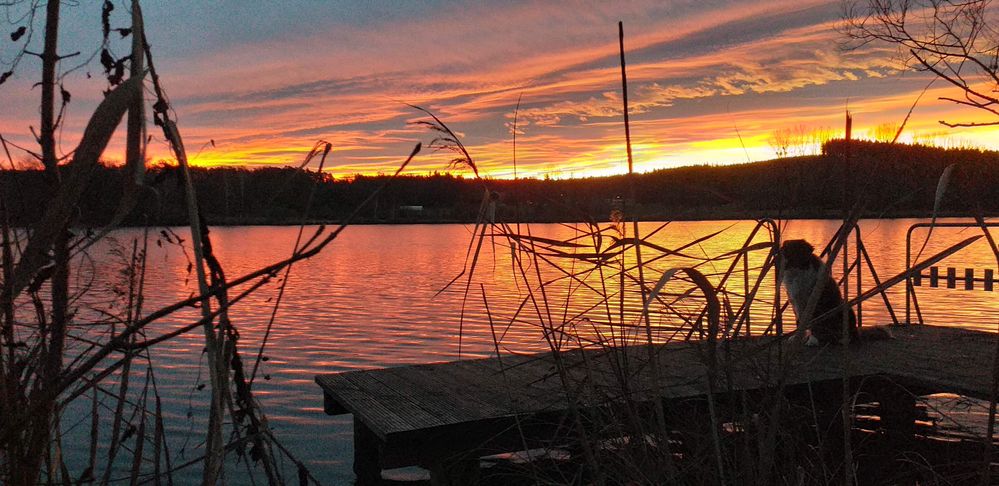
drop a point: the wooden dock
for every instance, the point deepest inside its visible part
(430, 414)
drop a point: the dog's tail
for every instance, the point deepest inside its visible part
(875, 333)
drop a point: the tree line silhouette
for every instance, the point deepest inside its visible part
(881, 179)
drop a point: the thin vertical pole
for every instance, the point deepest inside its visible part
(745, 289)
(847, 161)
(653, 356)
(846, 211)
(849, 478)
(908, 281)
(859, 250)
(516, 112)
(624, 91)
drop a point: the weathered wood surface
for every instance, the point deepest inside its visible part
(458, 403)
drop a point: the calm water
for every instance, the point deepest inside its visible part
(369, 301)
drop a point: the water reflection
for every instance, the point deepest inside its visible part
(369, 301)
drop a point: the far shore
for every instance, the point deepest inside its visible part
(698, 215)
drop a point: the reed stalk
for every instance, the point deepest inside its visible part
(40, 426)
(326, 147)
(217, 371)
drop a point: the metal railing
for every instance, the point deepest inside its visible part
(852, 266)
(855, 264)
(951, 279)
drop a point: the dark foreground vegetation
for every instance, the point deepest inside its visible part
(61, 349)
(890, 180)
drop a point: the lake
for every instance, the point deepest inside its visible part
(369, 301)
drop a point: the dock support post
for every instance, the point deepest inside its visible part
(455, 471)
(898, 414)
(366, 465)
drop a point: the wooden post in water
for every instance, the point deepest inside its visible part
(455, 471)
(366, 464)
(897, 409)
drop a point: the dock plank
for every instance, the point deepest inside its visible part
(365, 402)
(498, 390)
(407, 400)
(442, 392)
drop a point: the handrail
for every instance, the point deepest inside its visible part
(910, 290)
(857, 262)
(847, 267)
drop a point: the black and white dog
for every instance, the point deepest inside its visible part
(803, 271)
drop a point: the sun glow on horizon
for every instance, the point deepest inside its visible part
(714, 92)
(595, 161)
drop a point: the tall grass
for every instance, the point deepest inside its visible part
(62, 351)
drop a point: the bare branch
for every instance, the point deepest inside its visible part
(954, 40)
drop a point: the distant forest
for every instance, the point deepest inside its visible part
(885, 180)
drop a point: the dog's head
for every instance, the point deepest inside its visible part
(796, 253)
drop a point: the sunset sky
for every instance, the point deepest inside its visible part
(266, 79)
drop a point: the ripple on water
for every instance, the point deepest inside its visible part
(368, 302)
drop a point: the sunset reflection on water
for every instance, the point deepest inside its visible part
(369, 301)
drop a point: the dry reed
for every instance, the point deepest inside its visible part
(59, 357)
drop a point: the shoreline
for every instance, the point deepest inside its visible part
(653, 218)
